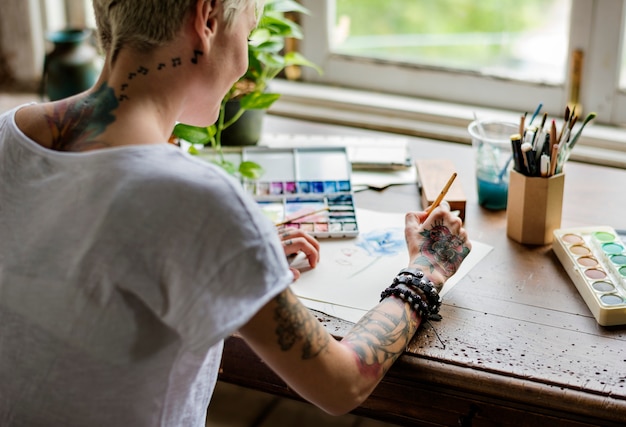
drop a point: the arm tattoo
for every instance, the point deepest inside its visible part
(442, 249)
(77, 126)
(296, 325)
(378, 339)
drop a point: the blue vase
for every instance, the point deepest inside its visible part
(72, 66)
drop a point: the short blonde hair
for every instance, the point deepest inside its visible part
(146, 24)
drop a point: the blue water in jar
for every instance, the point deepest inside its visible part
(491, 140)
(492, 195)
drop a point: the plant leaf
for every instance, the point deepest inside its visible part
(229, 167)
(296, 58)
(269, 46)
(279, 26)
(258, 36)
(285, 6)
(250, 170)
(192, 134)
(258, 101)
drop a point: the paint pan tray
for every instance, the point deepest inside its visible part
(306, 188)
(595, 260)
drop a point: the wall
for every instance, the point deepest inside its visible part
(21, 45)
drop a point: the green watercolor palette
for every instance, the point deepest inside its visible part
(595, 260)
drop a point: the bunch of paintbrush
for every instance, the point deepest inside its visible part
(540, 150)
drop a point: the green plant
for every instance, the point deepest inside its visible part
(266, 58)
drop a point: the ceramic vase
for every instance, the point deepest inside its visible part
(72, 66)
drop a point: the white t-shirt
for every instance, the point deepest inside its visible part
(122, 271)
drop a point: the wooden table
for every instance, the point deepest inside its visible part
(521, 346)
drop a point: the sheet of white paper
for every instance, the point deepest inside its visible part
(353, 272)
(346, 313)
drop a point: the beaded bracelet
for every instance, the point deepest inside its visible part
(415, 301)
(427, 288)
(415, 279)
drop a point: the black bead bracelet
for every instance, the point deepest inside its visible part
(414, 279)
(414, 300)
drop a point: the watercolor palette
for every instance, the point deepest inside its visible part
(595, 259)
(307, 188)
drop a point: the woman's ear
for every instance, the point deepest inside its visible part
(205, 21)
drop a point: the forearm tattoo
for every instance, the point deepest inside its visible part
(442, 249)
(295, 325)
(378, 339)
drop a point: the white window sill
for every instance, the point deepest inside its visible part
(417, 117)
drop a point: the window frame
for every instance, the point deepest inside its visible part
(595, 27)
(598, 30)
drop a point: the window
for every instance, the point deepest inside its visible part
(501, 38)
(407, 72)
(515, 54)
(58, 14)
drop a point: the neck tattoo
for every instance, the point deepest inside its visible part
(77, 126)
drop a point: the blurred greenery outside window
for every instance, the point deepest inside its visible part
(492, 54)
(505, 38)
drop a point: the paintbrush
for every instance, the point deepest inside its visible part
(565, 119)
(287, 221)
(573, 141)
(532, 119)
(441, 195)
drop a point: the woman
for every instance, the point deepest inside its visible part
(125, 263)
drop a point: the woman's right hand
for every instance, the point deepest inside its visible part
(337, 376)
(437, 243)
(295, 241)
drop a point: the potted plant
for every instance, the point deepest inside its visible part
(267, 58)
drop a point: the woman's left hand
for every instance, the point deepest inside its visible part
(295, 241)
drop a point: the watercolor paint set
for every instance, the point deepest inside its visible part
(595, 260)
(306, 188)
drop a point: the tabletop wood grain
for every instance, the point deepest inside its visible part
(521, 346)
